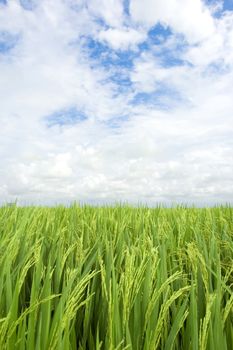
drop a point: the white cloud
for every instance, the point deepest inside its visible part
(48, 69)
(122, 39)
(111, 11)
(188, 17)
(182, 153)
(217, 48)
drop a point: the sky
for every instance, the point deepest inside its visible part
(105, 101)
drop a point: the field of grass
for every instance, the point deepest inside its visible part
(116, 278)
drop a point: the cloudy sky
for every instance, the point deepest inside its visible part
(116, 100)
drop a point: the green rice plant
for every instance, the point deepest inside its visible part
(116, 277)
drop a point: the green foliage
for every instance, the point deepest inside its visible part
(116, 278)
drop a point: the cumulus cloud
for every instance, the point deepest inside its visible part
(122, 39)
(188, 17)
(111, 11)
(96, 107)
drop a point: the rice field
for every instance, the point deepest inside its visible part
(116, 278)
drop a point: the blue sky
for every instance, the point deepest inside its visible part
(115, 100)
(228, 5)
